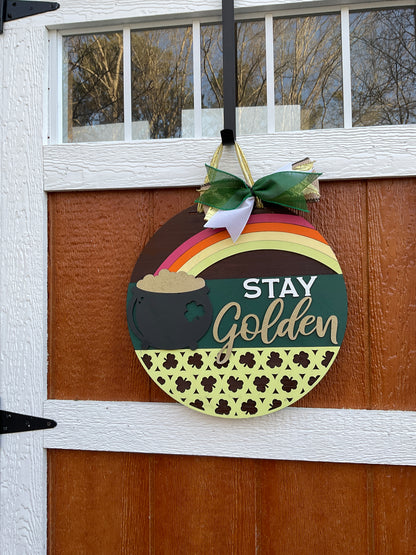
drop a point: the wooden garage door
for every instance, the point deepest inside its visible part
(138, 503)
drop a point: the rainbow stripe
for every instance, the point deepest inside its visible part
(262, 232)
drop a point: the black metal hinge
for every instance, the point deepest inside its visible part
(16, 9)
(12, 422)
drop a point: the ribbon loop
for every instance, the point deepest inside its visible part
(285, 188)
(227, 191)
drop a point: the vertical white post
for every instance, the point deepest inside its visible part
(54, 97)
(127, 84)
(196, 57)
(271, 126)
(23, 285)
(346, 67)
(50, 123)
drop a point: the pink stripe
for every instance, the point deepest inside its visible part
(179, 251)
(205, 233)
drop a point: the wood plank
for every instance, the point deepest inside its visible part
(203, 505)
(23, 330)
(306, 508)
(340, 216)
(98, 503)
(332, 435)
(394, 512)
(357, 153)
(169, 202)
(94, 241)
(392, 278)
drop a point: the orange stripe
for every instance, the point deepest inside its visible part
(205, 243)
(250, 228)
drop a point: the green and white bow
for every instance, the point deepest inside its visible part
(234, 199)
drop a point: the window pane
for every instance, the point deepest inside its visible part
(162, 82)
(383, 67)
(211, 80)
(93, 87)
(308, 72)
(251, 78)
(251, 115)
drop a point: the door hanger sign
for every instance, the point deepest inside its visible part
(237, 329)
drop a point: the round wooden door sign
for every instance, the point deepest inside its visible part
(240, 329)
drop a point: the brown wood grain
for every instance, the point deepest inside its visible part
(107, 503)
(98, 503)
(94, 241)
(392, 279)
(203, 505)
(394, 510)
(309, 508)
(340, 216)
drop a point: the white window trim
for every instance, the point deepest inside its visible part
(346, 67)
(341, 153)
(27, 172)
(127, 86)
(357, 153)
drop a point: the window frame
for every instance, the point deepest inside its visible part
(359, 152)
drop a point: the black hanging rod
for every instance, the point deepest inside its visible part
(229, 72)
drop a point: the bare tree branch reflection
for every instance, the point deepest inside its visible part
(307, 73)
(383, 63)
(251, 64)
(307, 61)
(95, 79)
(162, 80)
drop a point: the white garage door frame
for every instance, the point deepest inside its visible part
(30, 167)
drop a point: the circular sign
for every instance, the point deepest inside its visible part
(238, 329)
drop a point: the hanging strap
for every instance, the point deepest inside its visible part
(215, 160)
(244, 165)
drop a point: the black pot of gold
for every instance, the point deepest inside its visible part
(169, 311)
